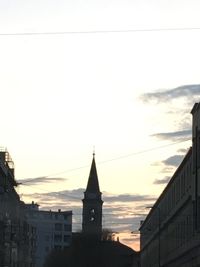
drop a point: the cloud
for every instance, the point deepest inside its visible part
(182, 150)
(40, 180)
(134, 237)
(169, 165)
(184, 122)
(187, 91)
(167, 169)
(122, 222)
(64, 195)
(77, 195)
(127, 198)
(173, 161)
(174, 136)
(121, 212)
(179, 111)
(164, 180)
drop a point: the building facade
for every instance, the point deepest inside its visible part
(53, 230)
(92, 205)
(16, 237)
(170, 234)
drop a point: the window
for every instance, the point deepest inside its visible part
(57, 238)
(58, 226)
(65, 216)
(68, 227)
(92, 215)
(67, 238)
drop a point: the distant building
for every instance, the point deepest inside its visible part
(53, 230)
(93, 247)
(105, 251)
(92, 205)
(16, 236)
(170, 234)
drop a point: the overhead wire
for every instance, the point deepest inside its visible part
(116, 158)
(100, 31)
(132, 154)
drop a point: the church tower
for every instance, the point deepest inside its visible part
(92, 204)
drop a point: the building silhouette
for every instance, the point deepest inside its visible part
(17, 237)
(53, 230)
(92, 205)
(170, 234)
(92, 247)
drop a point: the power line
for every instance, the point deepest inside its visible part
(117, 158)
(144, 151)
(100, 31)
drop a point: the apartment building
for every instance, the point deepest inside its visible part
(16, 237)
(53, 230)
(170, 234)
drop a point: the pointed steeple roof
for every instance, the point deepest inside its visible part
(93, 183)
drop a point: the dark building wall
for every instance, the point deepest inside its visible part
(15, 246)
(170, 234)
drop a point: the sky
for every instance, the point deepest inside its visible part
(115, 77)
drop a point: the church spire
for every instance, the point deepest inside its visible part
(92, 204)
(93, 182)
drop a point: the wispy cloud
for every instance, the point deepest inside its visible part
(164, 180)
(168, 166)
(64, 195)
(127, 198)
(77, 195)
(118, 211)
(173, 161)
(186, 91)
(41, 180)
(180, 114)
(174, 136)
(167, 170)
(182, 150)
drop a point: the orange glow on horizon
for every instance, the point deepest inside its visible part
(129, 240)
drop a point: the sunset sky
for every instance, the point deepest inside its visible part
(118, 77)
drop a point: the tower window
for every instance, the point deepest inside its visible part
(92, 215)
